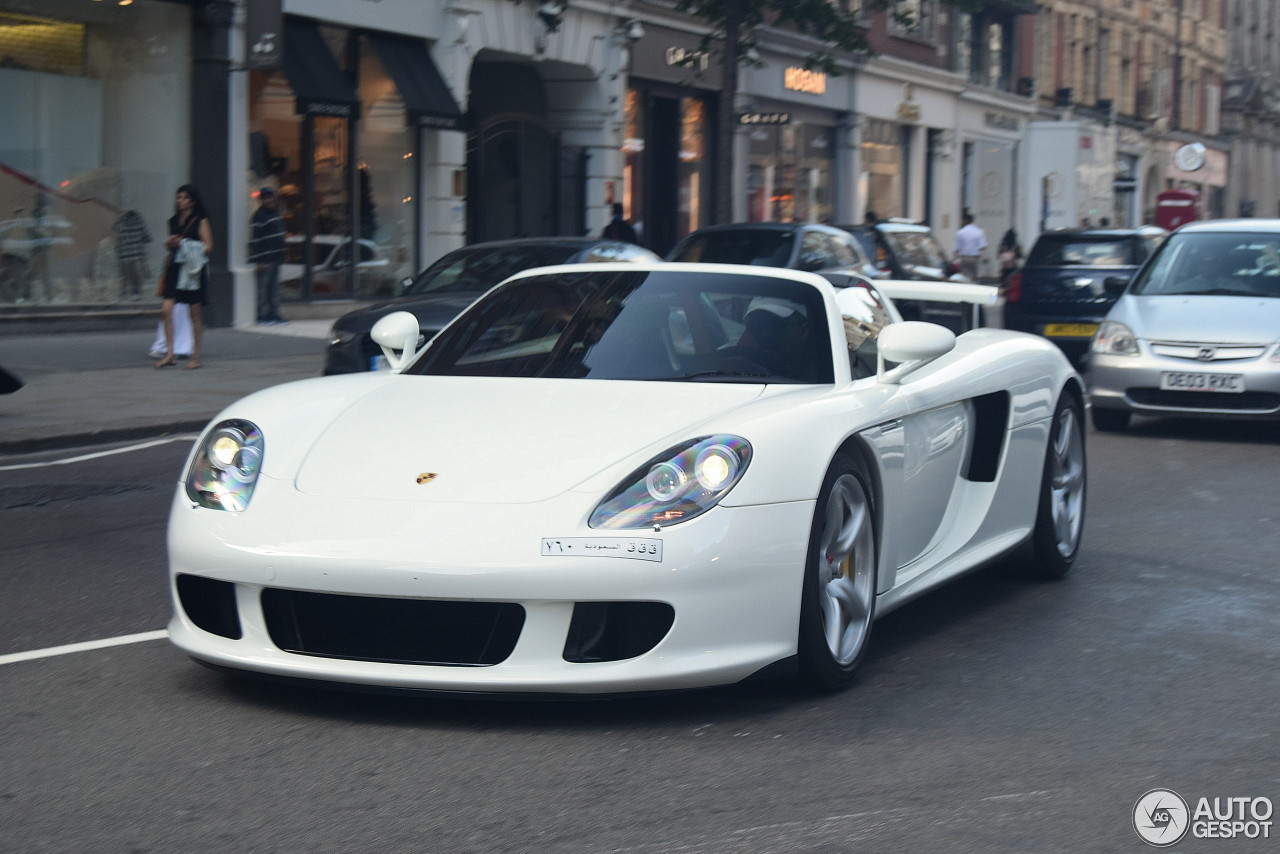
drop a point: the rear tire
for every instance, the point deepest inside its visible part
(1110, 420)
(1055, 542)
(838, 600)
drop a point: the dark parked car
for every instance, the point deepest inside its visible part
(908, 251)
(439, 293)
(1061, 291)
(798, 246)
(905, 250)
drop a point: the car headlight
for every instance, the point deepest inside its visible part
(226, 466)
(1114, 339)
(677, 485)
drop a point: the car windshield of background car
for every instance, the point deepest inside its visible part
(758, 246)
(641, 326)
(481, 269)
(916, 248)
(1055, 252)
(1212, 264)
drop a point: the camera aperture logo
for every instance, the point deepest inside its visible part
(1160, 817)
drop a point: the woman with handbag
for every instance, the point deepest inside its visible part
(186, 271)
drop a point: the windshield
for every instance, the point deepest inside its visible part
(1083, 252)
(763, 247)
(481, 267)
(657, 325)
(1207, 263)
(916, 248)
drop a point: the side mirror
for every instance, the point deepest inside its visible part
(1115, 285)
(913, 344)
(397, 334)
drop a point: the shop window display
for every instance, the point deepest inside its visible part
(89, 154)
(381, 164)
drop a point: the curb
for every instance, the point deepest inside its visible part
(97, 437)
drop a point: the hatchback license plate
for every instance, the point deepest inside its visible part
(1195, 381)
(1070, 330)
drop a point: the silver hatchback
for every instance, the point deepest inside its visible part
(1197, 331)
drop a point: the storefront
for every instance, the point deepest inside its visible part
(670, 116)
(337, 130)
(94, 143)
(794, 127)
(908, 154)
(991, 130)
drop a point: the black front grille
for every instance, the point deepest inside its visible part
(399, 631)
(1248, 401)
(210, 604)
(615, 631)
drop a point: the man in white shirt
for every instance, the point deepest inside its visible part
(971, 242)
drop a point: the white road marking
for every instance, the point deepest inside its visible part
(184, 437)
(68, 649)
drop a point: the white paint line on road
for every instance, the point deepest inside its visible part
(87, 646)
(184, 437)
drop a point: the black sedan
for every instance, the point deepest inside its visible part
(439, 293)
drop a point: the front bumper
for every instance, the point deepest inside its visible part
(731, 578)
(1132, 384)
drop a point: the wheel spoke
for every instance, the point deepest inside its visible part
(846, 574)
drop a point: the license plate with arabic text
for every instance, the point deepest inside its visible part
(1197, 381)
(631, 548)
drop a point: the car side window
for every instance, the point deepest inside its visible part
(864, 314)
(814, 254)
(842, 251)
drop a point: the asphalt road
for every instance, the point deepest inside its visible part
(994, 715)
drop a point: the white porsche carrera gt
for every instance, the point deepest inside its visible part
(617, 478)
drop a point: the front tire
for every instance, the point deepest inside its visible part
(839, 596)
(1060, 514)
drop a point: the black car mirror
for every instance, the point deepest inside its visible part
(1115, 285)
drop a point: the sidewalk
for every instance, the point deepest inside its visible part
(83, 388)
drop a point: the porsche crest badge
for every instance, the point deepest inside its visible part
(426, 477)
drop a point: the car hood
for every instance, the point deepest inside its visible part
(434, 311)
(1217, 319)
(497, 440)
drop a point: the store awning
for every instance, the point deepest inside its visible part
(320, 86)
(427, 100)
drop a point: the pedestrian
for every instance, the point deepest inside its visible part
(132, 238)
(266, 251)
(970, 243)
(186, 271)
(1010, 254)
(618, 227)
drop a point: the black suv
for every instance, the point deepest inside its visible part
(1061, 291)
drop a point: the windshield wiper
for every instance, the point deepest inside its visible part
(727, 376)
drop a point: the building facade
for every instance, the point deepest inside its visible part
(1251, 107)
(395, 131)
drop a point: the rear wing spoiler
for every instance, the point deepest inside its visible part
(952, 293)
(956, 292)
